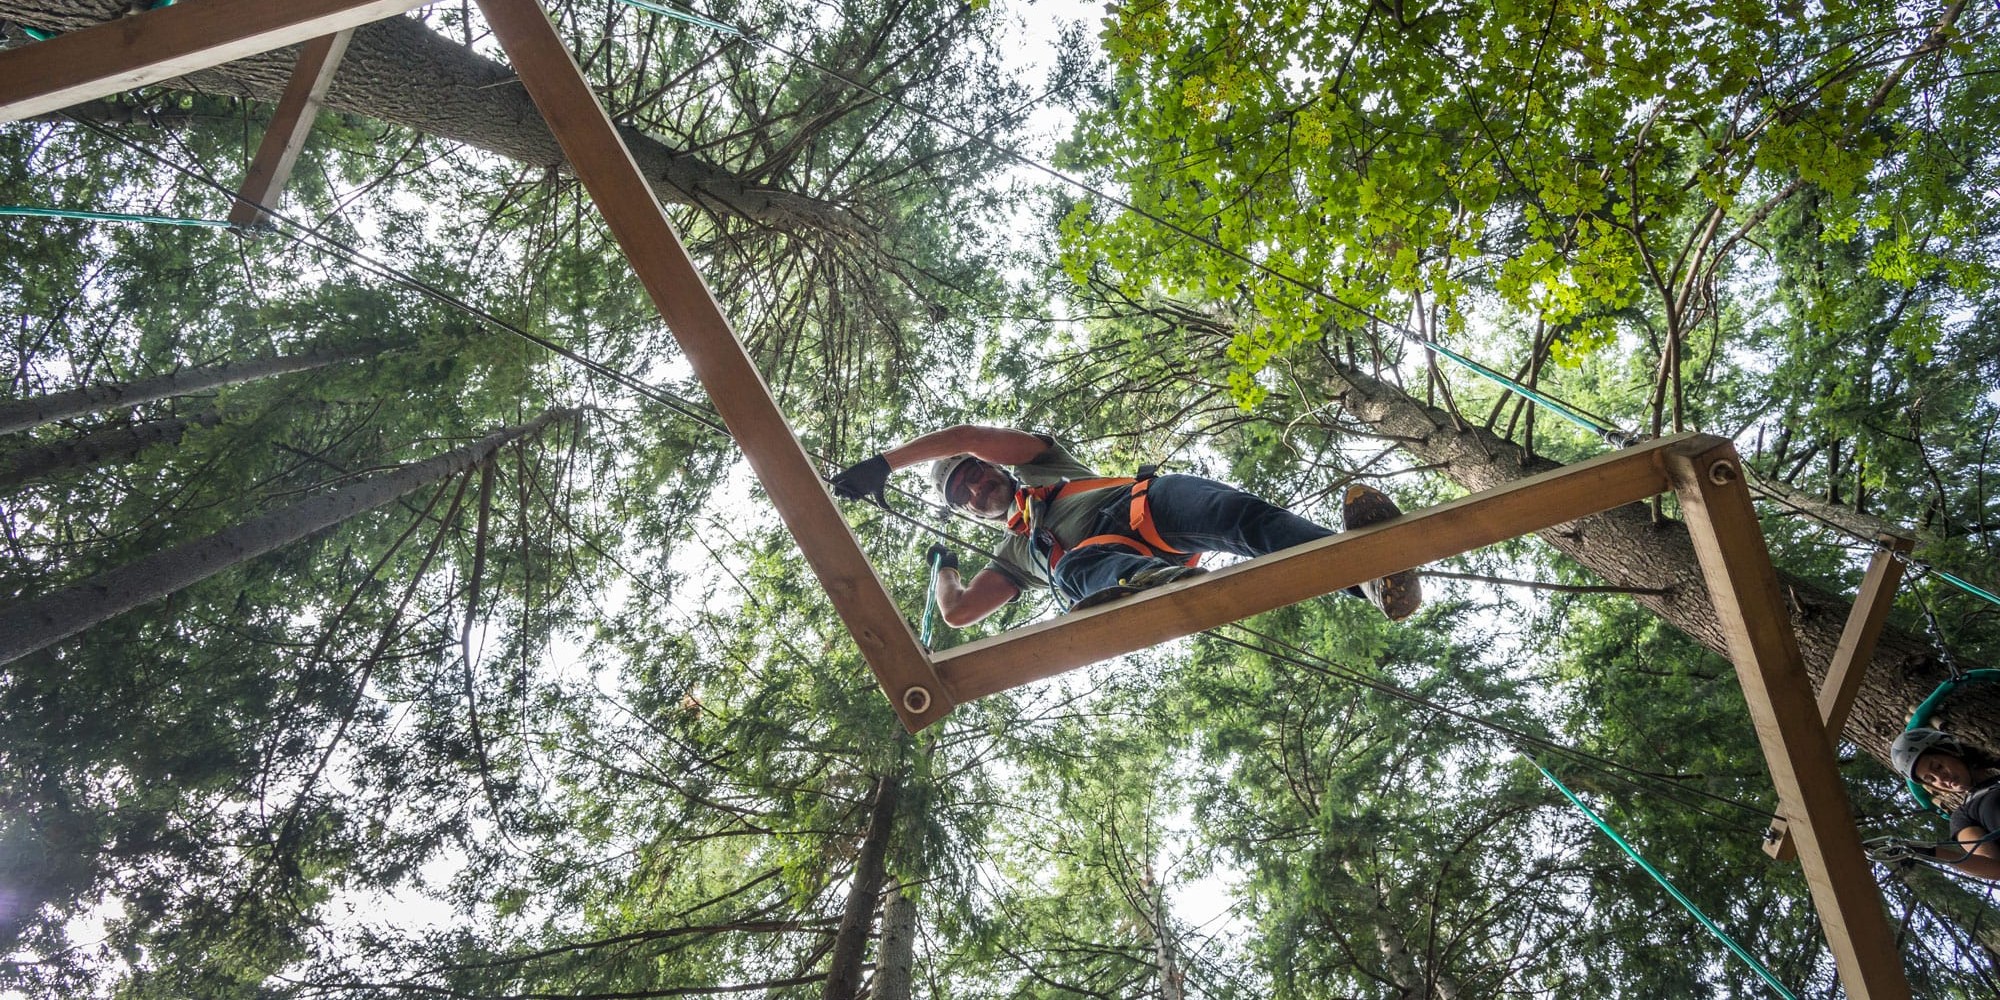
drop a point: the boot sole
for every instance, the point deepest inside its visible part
(1398, 595)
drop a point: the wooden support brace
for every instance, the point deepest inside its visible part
(1048, 648)
(165, 43)
(286, 135)
(1850, 659)
(1797, 748)
(739, 393)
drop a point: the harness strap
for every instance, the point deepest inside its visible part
(1142, 521)
(1028, 498)
(1030, 502)
(1119, 540)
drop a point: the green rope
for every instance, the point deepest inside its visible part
(1720, 934)
(66, 213)
(1546, 401)
(689, 17)
(930, 603)
(1960, 584)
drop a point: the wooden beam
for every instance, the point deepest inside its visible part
(1797, 747)
(738, 391)
(1850, 659)
(286, 135)
(165, 43)
(1048, 648)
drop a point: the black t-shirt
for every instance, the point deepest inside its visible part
(1980, 809)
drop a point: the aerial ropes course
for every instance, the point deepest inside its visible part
(1704, 471)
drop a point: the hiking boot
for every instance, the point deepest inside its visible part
(1145, 579)
(1398, 595)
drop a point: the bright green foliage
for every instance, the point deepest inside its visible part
(1596, 171)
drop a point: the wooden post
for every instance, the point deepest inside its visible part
(642, 229)
(1797, 748)
(1850, 659)
(286, 135)
(167, 42)
(1561, 495)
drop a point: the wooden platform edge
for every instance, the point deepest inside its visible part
(1533, 504)
(167, 42)
(738, 391)
(1743, 585)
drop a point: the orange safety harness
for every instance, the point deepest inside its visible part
(1031, 506)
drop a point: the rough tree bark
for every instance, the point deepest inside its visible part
(1627, 549)
(850, 943)
(95, 449)
(23, 414)
(33, 624)
(896, 956)
(399, 71)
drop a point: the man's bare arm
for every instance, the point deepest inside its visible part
(1982, 860)
(998, 445)
(961, 603)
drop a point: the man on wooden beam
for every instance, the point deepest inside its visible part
(1093, 538)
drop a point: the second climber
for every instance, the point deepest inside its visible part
(1944, 764)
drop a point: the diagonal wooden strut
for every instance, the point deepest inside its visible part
(1797, 747)
(1850, 660)
(739, 394)
(286, 135)
(167, 42)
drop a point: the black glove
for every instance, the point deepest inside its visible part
(864, 480)
(939, 557)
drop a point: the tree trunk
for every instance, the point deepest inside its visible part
(22, 414)
(1173, 982)
(96, 449)
(398, 70)
(1854, 521)
(1412, 981)
(896, 957)
(850, 943)
(30, 625)
(1357, 897)
(1627, 549)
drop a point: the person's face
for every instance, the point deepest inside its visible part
(981, 489)
(1943, 771)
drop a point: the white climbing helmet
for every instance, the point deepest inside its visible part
(1917, 742)
(941, 471)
